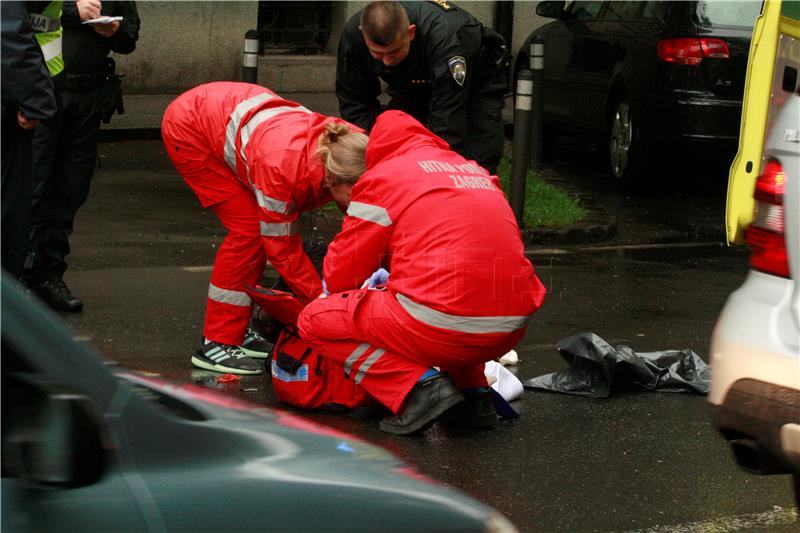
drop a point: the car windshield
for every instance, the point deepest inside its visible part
(715, 13)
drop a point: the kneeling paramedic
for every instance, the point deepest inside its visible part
(257, 161)
(460, 290)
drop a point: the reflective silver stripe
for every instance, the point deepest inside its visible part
(463, 324)
(225, 296)
(271, 204)
(370, 213)
(275, 229)
(353, 357)
(51, 49)
(233, 126)
(365, 366)
(260, 117)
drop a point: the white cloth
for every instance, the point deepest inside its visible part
(503, 381)
(511, 358)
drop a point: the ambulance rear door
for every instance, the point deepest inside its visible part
(772, 74)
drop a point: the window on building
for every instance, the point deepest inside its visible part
(294, 27)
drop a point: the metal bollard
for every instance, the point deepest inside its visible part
(521, 144)
(250, 58)
(537, 114)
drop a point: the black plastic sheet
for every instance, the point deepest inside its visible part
(596, 369)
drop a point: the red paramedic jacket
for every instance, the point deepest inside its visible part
(269, 143)
(439, 223)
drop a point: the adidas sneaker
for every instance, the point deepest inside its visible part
(225, 358)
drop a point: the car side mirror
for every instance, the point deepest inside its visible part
(51, 435)
(551, 10)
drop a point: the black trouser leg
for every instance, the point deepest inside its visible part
(65, 153)
(17, 184)
(484, 142)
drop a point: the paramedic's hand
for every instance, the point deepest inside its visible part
(324, 293)
(379, 277)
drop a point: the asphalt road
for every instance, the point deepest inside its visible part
(637, 461)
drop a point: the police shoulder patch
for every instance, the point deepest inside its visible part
(458, 68)
(444, 5)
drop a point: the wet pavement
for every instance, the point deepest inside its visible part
(141, 260)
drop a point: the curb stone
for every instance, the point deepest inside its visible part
(597, 225)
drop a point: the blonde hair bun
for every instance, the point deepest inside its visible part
(342, 152)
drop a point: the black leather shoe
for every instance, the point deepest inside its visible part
(477, 411)
(426, 402)
(56, 294)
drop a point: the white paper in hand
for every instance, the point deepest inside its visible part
(102, 20)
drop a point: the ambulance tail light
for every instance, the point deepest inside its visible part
(765, 236)
(691, 51)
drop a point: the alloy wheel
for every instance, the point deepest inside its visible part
(621, 135)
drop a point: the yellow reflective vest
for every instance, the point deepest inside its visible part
(47, 26)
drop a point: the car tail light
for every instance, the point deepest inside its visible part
(691, 51)
(765, 234)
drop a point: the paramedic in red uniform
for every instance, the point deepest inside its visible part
(257, 161)
(460, 290)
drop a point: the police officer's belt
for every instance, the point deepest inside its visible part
(81, 82)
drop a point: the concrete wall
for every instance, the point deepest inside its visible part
(525, 21)
(183, 44)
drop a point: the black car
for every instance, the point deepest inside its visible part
(651, 78)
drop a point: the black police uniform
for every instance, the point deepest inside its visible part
(65, 148)
(26, 88)
(453, 79)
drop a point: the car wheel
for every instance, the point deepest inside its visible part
(624, 141)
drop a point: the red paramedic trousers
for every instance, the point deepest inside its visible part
(387, 350)
(241, 258)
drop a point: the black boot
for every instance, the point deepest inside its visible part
(426, 402)
(478, 410)
(57, 295)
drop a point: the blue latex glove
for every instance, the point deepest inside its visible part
(378, 277)
(325, 292)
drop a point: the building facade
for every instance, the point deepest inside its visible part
(184, 44)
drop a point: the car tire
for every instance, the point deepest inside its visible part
(624, 147)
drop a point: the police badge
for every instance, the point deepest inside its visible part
(458, 68)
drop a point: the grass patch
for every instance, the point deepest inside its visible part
(545, 205)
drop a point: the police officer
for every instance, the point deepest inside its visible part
(27, 96)
(441, 66)
(65, 148)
